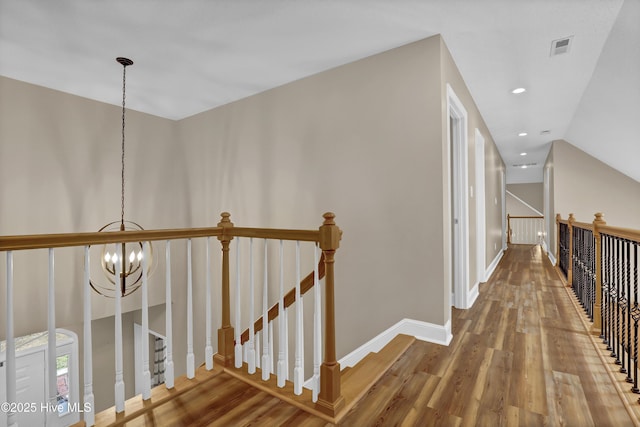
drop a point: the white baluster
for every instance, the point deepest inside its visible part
(146, 375)
(119, 385)
(208, 351)
(52, 373)
(251, 352)
(257, 352)
(271, 358)
(12, 419)
(238, 332)
(281, 325)
(191, 368)
(267, 350)
(168, 367)
(317, 327)
(285, 315)
(298, 370)
(89, 418)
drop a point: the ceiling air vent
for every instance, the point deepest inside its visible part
(560, 46)
(524, 165)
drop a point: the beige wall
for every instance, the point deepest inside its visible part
(530, 193)
(585, 185)
(494, 167)
(365, 140)
(516, 208)
(362, 140)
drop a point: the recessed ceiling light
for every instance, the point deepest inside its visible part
(522, 134)
(519, 90)
(524, 166)
(523, 154)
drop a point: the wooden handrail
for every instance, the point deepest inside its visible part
(45, 241)
(623, 233)
(584, 225)
(305, 285)
(526, 217)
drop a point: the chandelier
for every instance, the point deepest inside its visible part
(129, 279)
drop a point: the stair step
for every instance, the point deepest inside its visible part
(357, 381)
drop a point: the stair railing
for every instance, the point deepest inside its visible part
(523, 229)
(326, 238)
(604, 275)
(236, 346)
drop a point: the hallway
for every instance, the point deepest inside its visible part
(519, 357)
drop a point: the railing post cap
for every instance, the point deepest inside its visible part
(330, 233)
(558, 217)
(600, 218)
(225, 221)
(329, 218)
(571, 218)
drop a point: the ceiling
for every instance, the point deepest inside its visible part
(194, 55)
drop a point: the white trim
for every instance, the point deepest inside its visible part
(423, 331)
(552, 258)
(481, 239)
(459, 150)
(473, 295)
(494, 264)
(524, 203)
(503, 190)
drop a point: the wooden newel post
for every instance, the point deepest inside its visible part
(330, 399)
(558, 219)
(508, 229)
(596, 328)
(571, 220)
(225, 353)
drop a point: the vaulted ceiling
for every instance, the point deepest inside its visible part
(194, 55)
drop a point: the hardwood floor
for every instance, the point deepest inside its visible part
(520, 356)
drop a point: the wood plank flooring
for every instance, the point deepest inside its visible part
(519, 357)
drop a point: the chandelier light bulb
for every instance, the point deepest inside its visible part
(107, 257)
(132, 257)
(139, 255)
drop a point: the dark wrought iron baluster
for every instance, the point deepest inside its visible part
(594, 264)
(627, 279)
(614, 298)
(636, 317)
(616, 346)
(604, 240)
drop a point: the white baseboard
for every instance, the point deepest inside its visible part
(423, 331)
(552, 258)
(493, 265)
(473, 295)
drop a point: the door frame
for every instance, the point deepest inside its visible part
(481, 239)
(458, 193)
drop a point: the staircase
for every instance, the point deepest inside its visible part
(231, 396)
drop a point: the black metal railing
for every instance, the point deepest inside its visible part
(563, 250)
(620, 311)
(584, 268)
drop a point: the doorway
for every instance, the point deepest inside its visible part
(458, 185)
(481, 245)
